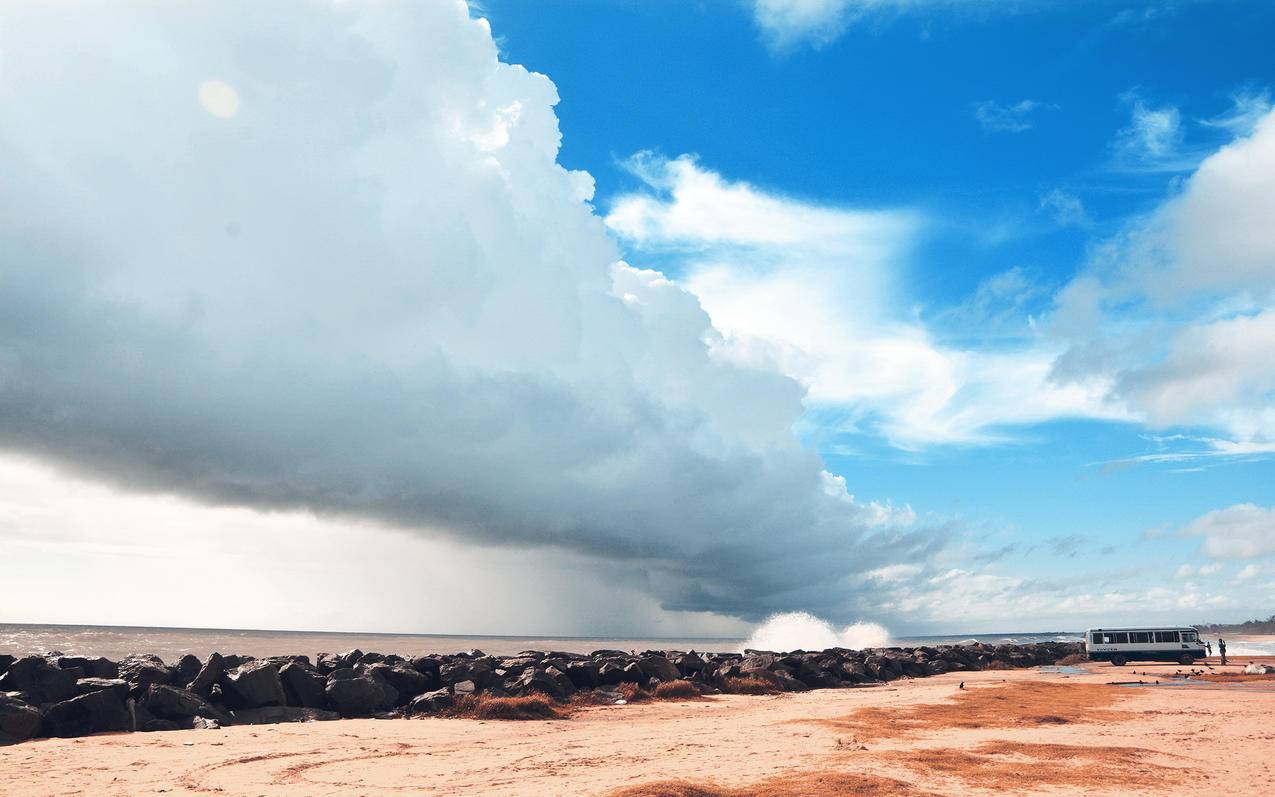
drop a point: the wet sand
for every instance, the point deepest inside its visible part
(1020, 732)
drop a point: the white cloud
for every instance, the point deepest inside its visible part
(1248, 109)
(1153, 137)
(815, 292)
(372, 294)
(1179, 310)
(997, 118)
(1067, 209)
(895, 573)
(1243, 531)
(1248, 572)
(786, 24)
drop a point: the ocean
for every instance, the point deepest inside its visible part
(170, 644)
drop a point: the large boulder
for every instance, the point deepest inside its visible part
(302, 685)
(97, 667)
(95, 712)
(118, 685)
(659, 668)
(253, 685)
(188, 668)
(407, 682)
(141, 671)
(209, 675)
(171, 703)
(5, 662)
(430, 702)
(583, 674)
(270, 715)
(536, 680)
(18, 720)
(354, 696)
(38, 680)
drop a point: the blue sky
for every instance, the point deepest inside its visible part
(975, 115)
(949, 315)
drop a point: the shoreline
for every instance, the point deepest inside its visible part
(1095, 739)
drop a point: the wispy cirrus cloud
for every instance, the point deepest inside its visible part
(994, 117)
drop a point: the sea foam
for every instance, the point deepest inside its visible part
(802, 631)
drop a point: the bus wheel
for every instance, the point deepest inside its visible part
(1187, 658)
(1118, 660)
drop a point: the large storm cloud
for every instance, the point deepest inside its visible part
(323, 257)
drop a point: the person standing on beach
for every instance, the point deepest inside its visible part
(1221, 649)
(1208, 646)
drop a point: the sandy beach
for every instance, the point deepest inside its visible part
(1023, 731)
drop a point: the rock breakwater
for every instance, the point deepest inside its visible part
(57, 695)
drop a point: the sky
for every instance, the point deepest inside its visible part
(637, 318)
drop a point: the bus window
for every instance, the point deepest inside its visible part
(1166, 636)
(1188, 636)
(1140, 637)
(1120, 638)
(1097, 639)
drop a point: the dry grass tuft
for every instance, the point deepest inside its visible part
(1016, 705)
(1073, 659)
(748, 686)
(483, 707)
(1002, 765)
(811, 784)
(633, 693)
(677, 690)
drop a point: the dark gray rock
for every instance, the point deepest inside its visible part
(356, 696)
(583, 674)
(253, 685)
(96, 667)
(19, 721)
(270, 715)
(430, 702)
(407, 682)
(209, 675)
(302, 686)
(39, 680)
(538, 681)
(659, 668)
(5, 661)
(143, 670)
(171, 703)
(187, 669)
(85, 685)
(95, 712)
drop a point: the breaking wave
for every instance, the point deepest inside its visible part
(802, 631)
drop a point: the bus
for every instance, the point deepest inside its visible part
(1144, 643)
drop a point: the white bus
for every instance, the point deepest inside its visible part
(1156, 643)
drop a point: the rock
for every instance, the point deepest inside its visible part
(270, 715)
(535, 680)
(187, 669)
(209, 675)
(302, 686)
(1259, 669)
(407, 682)
(430, 702)
(85, 685)
(5, 662)
(92, 668)
(253, 685)
(141, 671)
(356, 696)
(171, 703)
(95, 712)
(464, 688)
(659, 668)
(39, 680)
(19, 721)
(583, 674)
(204, 724)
